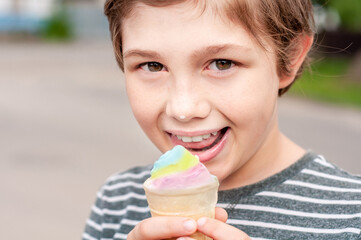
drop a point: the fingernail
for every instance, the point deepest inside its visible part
(201, 221)
(189, 225)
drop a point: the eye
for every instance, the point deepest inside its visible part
(152, 66)
(221, 64)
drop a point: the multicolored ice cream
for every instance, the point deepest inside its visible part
(180, 185)
(178, 168)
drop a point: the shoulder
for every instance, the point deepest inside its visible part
(313, 199)
(133, 175)
(121, 203)
(125, 185)
(324, 185)
(320, 171)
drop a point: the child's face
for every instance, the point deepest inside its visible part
(193, 76)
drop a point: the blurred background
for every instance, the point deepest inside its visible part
(65, 122)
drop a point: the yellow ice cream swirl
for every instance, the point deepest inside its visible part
(174, 161)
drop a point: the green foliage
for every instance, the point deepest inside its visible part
(328, 81)
(349, 11)
(58, 27)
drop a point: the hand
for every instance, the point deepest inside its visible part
(156, 228)
(217, 228)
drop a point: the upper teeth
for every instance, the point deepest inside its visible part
(195, 138)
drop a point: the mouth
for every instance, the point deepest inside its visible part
(205, 146)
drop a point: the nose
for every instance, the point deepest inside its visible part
(187, 100)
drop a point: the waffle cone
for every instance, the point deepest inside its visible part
(191, 202)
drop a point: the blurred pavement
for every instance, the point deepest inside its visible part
(66, 126)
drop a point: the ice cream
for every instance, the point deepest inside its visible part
(180, 185)
(179, 169)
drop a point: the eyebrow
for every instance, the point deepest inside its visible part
(209, 50)
(216, 49)
(141, 53)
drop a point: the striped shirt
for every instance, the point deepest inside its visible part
(312, 199)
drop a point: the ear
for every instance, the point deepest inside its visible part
(302, 46)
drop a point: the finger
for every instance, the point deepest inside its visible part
(219, 230)
(221, 214)
(162, 228)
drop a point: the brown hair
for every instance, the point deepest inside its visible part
(278, 22)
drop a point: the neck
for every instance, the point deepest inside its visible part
(276, 154)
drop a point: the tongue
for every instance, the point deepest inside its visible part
(196, 145)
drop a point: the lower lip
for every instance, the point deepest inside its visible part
(209, 154)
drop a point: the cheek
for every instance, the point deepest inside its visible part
(145, 102)
(251, 101)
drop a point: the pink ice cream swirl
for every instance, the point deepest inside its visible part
(179, 169)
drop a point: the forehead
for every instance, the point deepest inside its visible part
(181, 10)
(181, 24)
(194, 8)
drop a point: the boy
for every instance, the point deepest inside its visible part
(207, 74)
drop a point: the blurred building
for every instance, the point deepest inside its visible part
(86, 17)
(24, 15)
